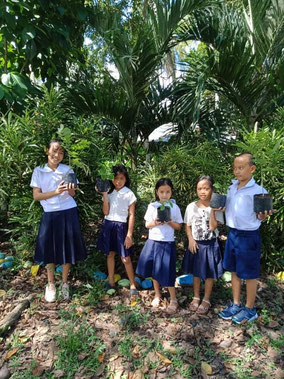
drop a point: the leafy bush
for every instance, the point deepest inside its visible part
(23, 141)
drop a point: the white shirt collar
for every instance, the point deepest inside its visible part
(250, 183)
(61, 168)
(122, 190)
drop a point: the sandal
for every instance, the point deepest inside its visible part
(156, 302)
(172, 307)
(203, 309)
(194, 304)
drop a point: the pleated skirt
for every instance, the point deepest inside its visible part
(112, 236)
(158, 260)
(206, 263)
(59, 238)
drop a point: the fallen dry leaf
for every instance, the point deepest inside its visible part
(164, 359)
(138, 374)
(133, 303)
(2, 293)
(136, 352)
(206, 368)
(11, 353)
(101, 357)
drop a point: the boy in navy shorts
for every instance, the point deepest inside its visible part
(242, 251)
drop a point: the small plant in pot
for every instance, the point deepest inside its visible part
(164, 211)
(73, 149)
(218, 200)
(262, 201)
(105, 173)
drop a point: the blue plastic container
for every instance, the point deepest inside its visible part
(6, 265)
(2, 256)
(185, 279)
(98, 275)
(59, 269)
(138, 281)
(147, 284)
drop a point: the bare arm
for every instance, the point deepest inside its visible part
(38, 195)
(105, 204)
(213, 223)
(192, 245)
(131, 219)
(174, 225)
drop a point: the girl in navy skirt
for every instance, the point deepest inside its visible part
(203, 257)
(59, 239)
(116, 233)
(158, 257)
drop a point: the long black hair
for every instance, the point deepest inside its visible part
(120, 169)
(163, 182)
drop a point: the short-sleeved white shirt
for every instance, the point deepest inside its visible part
(162, 232)
(239, 206)
(48, 180)
(198, 218)
(119, 202)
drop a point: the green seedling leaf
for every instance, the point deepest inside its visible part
(111, 291)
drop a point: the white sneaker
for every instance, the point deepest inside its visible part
(65, 291)
(50, 293)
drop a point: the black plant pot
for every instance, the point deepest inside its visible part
(70, 178)
(164, 215)
(217, 200)
(262, 203)
(102, 185)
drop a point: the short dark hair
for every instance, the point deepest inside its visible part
(208, 178)
(249, 156)
(55, 140)
(163, 182)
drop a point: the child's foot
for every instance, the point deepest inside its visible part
(229, 312)
(245, 315)
(65, 291)
(172, 307)
(50, 293)
(156, 302)
(203, 307)
(193, 306)
(133, 292)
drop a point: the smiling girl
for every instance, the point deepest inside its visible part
(59, 239)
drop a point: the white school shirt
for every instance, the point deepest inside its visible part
(239, 206)
(162, 232)
(198, 218)
(119, 202)
(48, 180)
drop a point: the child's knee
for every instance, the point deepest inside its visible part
(111, 255)
(126, 260)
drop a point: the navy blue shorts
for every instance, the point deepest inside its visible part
(242, 253)
(112, 236)
(206, 262)
(158, 260)
(59, 238)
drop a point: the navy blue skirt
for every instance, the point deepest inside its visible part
(206, 263)
(158, 260)
(59, 238)
(112, 236)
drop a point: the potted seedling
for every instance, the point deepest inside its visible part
(74, 150)
(218, 200)
(105, 173)
(164, 211)
(262, 201)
